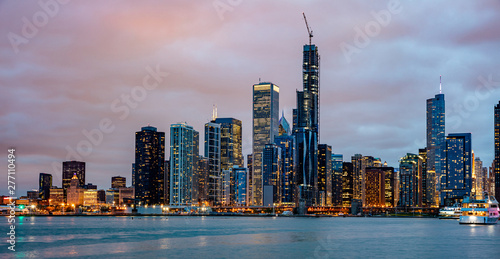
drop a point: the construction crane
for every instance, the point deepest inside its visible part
(308, 29)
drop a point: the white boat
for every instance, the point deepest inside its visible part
(479, 211)
(453, 212)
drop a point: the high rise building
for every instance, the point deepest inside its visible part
(428, 188)
(44, 184)
(306, 127)
(391, 186)
(149, 166)
(182, 151)
(287, 183)
(347, 184)
(75, 193)
(166, 168)
(459, 160)
(271, 174)
(265, 128)
(337, 162)
(202, 179)
(230, 143)
(250, 177)
(478, 178)
(436, 142)
(240, 188)
(410, 177)
(375, 187)
(70, 168)
(213, 153)
(118, 181)
(324, 174)
(497, 151)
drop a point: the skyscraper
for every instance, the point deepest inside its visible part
(70, 168)
(182, 151)
(44, 183)
(271, 174)
(410, 175)
(458, 177)
(287, 184)
(230, 143)
(240, 187)
(213, 153)
(497, 151)
(436, 142)
(265, 128)
(375, 187)
(337, 162)
(118, 181)
(324, 174)
(347, 184)
(149, 166)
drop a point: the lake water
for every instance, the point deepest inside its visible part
(248, 237)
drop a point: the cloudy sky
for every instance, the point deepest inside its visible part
(104, 69)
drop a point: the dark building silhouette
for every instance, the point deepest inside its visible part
(149, 166)
(71, 168)
(497, 151)
(347, 184)
(324, 174)
(118, 181)
(44, 183)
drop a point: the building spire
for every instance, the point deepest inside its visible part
(214, 112)
(439, 84)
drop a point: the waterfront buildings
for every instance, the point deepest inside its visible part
(149, 166)
(271, 174)
(264, 129)
(183, 149)
(75, 193)
(324, 174)
(44, 184)
(70, 168)
(337, 172)
(118, 181)
(347, 184)
(375, 187)
(213, 153)
(496, 171)
(287, 184)
(410, 177)
(240, 185)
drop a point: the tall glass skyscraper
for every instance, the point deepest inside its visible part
(44, 183)
(213, 153)
(265, 128)
(324, 174)
(337, 162)
(436, 142)
(410, 175)
(306, 127)
(150, 166)
(497, 151)
(182, 155)
(271, 174)
(231, 143)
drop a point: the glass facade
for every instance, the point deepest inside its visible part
(324, 174)
(458, 177)
(286, 143)
(410, 177)
(213, 153)
(436, 142)
(337, 162)
(347, 184)
(265, 128)
(240, 183)
(375, 187)
(71, 168)
(44, 184)
(149, 166)
(182, 152)
(271, 174)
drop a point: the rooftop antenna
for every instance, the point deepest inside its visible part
(214, 112)
(439, 84)
(309, 31)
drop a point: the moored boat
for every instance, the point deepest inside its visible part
(452, 212)
(479, 211)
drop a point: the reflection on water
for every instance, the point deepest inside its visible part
(147, 237)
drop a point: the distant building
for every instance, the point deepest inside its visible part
(32, 195)
(183, 140)
(101, 196)
(44, 184)
(166, 181)
(56, 196)
(380, 187)
(126, 195)
(271, 173)
(90, 197)
(410, 175)
(118, 181)
(250, 181)
(213, 153)
(202, 179)
(347, 184)
(496, 171)
(70, 168)
(241, 180)
(90, 186)
(265, 128)
(459, 168)
(436, 142)
(149, 166)
(286, 185)
(226, 188)
(337, 172)
(75, 193)
(113, 197)
(324, 174)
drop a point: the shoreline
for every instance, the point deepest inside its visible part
(222, 215)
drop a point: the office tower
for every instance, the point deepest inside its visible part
(497, 152)
(75, 193)
(118, 181)
(90, 197)
(428, 188)
(410, 175)
(324, 174)
(271, 173)
(287, 183)
(44, 184)
(182, 151)
(225, 198)
(33, 195)
(458, 177)
(230, 143)
(265, 128)
(347, 184)
(436, 142)
(250, 177)
(391, 186)
(375, 187)
(101, 196)
(166, 169)
(149, 166)
(337, 172)
(133, 174)
(478, 178)
(56, 196)
(126, 195)
(202, 179)
(240, 185)
(70, 168)
(213, 153)
(359, 163)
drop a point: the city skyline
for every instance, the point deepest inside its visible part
(365, 109)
